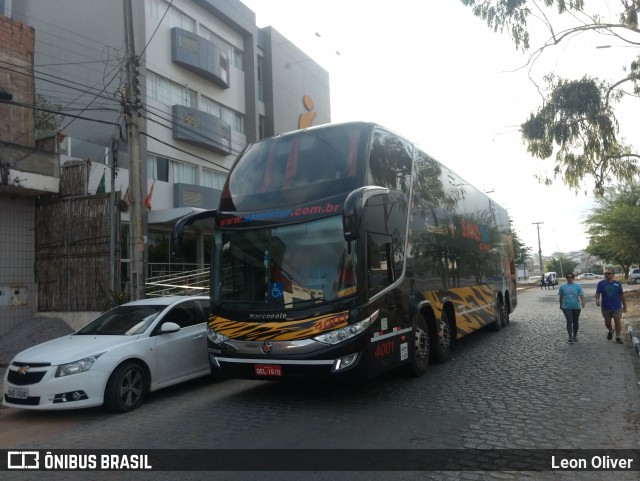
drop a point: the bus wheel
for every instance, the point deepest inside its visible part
(499, 322)
(505, 314)
(441, 342)
(420, 360)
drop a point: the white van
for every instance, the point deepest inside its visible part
(554, 277)
(534, 279)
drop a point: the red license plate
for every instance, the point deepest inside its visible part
(268, 370)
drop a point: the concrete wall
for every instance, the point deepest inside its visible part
(18, 291)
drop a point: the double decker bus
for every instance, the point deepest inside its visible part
(345, 250)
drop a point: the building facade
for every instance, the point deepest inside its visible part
(208, 81)
(25, 172)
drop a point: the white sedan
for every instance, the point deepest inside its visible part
(114, 360)
(588, 275)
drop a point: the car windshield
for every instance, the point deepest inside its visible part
(123, 321)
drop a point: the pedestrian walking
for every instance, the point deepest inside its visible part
(543, 283)
(571, 303)
(550, 282)
(613, 303)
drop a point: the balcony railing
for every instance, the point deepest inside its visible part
(170, 280)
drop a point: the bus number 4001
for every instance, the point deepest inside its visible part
(384, 349)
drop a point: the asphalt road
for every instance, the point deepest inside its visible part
(524, 387)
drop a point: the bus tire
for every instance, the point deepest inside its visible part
(505, 313)
(420, 359)
(499, 322)
(441, 342)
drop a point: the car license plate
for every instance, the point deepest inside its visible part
(268, 370)
(18, 392)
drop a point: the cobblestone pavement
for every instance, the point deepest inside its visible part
(522, 388)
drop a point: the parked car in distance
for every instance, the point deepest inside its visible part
(114, 360)
(534, 279)
(588, 275)
(634, 275)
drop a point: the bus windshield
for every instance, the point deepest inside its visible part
(296, 168)
(284, 267)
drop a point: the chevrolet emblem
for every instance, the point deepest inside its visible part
(23, 370)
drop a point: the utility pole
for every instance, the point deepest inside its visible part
(112, 219)
(537, 224)
(131, 105)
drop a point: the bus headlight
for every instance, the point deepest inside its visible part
(215, 337)
(344, 333)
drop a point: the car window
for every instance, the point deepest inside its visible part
(185, 314)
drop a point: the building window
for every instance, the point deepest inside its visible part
(232, 54)
(174, 171)
(260, 79)
(183, 173)
(237, 58)
(232, 118)
(158, 168)
(213, 179)
(174, 18)
(170, 93)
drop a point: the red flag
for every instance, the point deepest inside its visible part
(147, 200)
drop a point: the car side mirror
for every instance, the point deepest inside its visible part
(169, 327)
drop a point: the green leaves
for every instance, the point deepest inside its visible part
(614, 225)
(576, 122)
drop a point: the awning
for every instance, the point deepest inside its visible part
(169, 216)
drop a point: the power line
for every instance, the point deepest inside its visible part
(184, 151)
(156, 29)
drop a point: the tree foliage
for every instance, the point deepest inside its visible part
(576, 120)
(522, 252)
(614, 226)
(560, 264)
(46, 120)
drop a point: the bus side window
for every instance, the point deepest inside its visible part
(379, 262)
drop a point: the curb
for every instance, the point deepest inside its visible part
(634, 340)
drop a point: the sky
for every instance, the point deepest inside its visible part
(434, 73)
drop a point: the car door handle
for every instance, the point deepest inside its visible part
(198, 336)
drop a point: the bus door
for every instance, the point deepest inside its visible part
(389, 343)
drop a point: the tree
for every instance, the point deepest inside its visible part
(46, 120)
(521, 251)
(614, 226)
(561, 264)
(576, 120)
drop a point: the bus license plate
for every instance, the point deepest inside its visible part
(268, 370)
(18, 392)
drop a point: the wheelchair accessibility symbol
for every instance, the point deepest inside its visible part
(277, 290)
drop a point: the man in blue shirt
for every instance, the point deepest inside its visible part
(613, 303)
(571, 303)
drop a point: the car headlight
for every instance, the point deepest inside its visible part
(77, 367)
(344, 333)
(215, 337)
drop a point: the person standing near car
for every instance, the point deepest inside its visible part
(613, 303)
(571, 303)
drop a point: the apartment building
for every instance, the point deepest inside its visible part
(209, 81)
